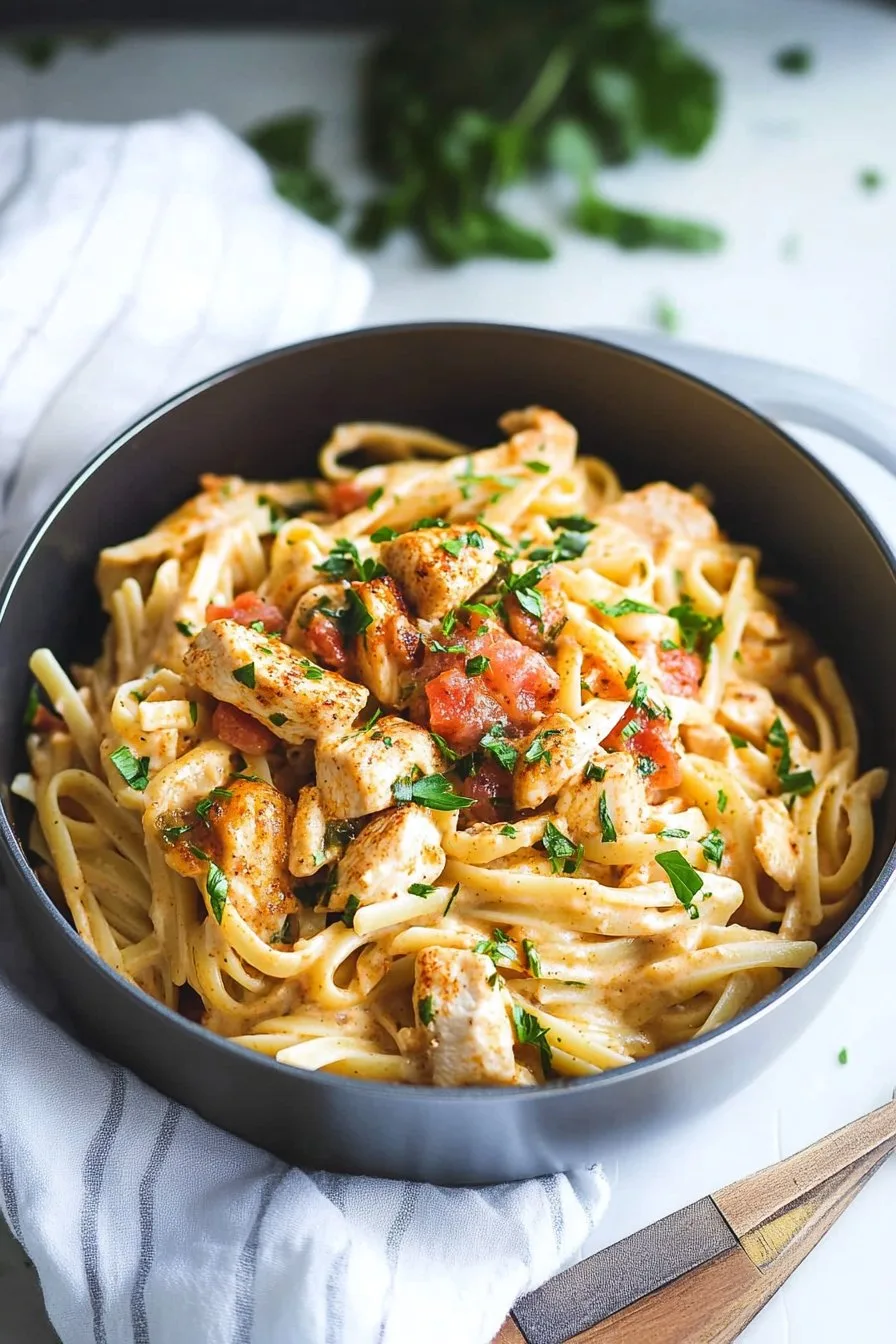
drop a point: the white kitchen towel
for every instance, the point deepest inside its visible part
(133, 261)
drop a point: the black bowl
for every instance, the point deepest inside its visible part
(267, 419)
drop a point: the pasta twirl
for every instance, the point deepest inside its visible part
(463, 767)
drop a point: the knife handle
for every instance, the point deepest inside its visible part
(700, 1275)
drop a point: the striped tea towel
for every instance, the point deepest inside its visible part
(134, 260)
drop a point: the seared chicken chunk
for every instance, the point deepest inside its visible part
(622, 788)
(173, 793)
(465, 1017)
(748, 709)
(386, 649)
(265, 678)
(248, 837)
(660, 512)
(355, 773)
(776, 845)
(706, 739)
(439, 567)
(308, 848)
(393, 852)
(558, 750)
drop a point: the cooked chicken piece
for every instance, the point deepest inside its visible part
(748, 709)
(355, 773)
(385, 651)
(539, 434)
(622, 787)
(294, 568)
(439, 567)
(465, 1017)
(560, 747)
(556, 752)
(248, 837)
(660, 512)
(706, 739)
(392, 852)
(776, 845)
(308, 847)
(323, 597)
(264, 677)
(173, 793)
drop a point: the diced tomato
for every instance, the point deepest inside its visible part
(45, 722)
(652, 740)
(346, 496)
(538, 635)
(461, 709)
(247, 609)
(516, 687)
(323, 639)
(680, 671)
(241, 731)
(491, 784)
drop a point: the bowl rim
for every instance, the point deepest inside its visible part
(547, 1094)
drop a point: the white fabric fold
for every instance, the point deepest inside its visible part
(134, 261)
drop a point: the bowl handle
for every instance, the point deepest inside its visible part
(778, 391)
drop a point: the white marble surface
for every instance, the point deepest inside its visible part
(785, 162)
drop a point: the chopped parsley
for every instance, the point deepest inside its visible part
(607, 829)
(795, 60)
(674, 833)
(257, 626)
(567, 546)
(277, 720)
(245, 675)
(792, 781)
(451, 898)
(425, 1010)
(368, 723)
(529, 1031)
(437, 646)
(448, 752)
(627, 606)
(433, 791)
(383, 534)
(185, 628)
(536, 750)
(697, 631)
(33, 703)
(542, 468)
(572, 522)
(597, 772)
(713, 846)
(344, 562)
(721, 800)
(215, 883)
(632, 677)
(374, 497)
(204, 806)
(871, 179)
(426, 523)
(533, 961)
(312, 672)
(338, 834)
(454, 545)
(348, 914)
(738, 741)
(497, 948)
(133, 770)
(286, 932)
(685, 879)
(525, 590)
(480, 608)
(509, 831)
(565, 857)
(194, 711)
(139, 696)
(420, 889)
(171, 834)
(494, 741)
(843, 1056)
(449, 622)
(646, 765)
(631, 729)
(354, 618)
(475, 667)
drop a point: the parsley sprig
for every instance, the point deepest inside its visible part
(565, 856)
(529, 1031)
(792, 781)
(433, 791)
(344, 562)
(697, 632)
(686, 881)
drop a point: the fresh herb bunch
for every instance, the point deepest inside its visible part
(286, 145)
(454, 111)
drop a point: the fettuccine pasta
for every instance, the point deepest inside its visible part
(461, 767)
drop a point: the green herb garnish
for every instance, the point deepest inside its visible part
(245, 675)
(133, 770)
(626, 607)
(529, 1031)
(475, 667)
(565, 856)
(451, 899)
(536, 750)
(277, 720)
(713, 846)
(495, 742)
(509, 831)
(792, 781)
(685, 879)
(185, 628)
(721, 800)
(795, 60)
(597, 772)
(215, 883)
(433, 791)
(348, 915)
(607, 829)
(171, 834)
(420, 889)
(697, 631)
(533, 961)
(673, 833)
(497, 948)
(425, 1010)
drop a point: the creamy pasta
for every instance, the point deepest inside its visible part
(461, 767)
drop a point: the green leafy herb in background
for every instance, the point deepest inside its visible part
(456, 110)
